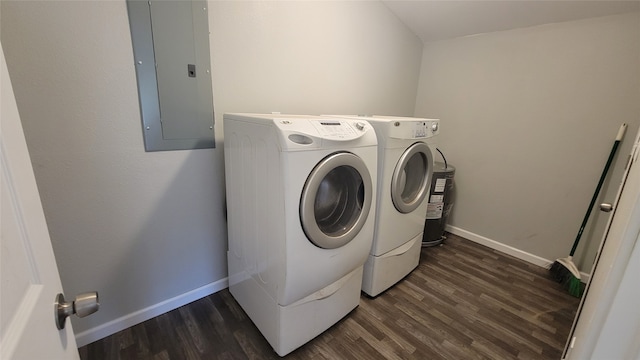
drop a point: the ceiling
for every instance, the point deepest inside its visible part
(435, 20)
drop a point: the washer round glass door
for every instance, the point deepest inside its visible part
(412, 178)
(336, 200)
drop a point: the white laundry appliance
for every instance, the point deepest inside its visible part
(405, 168)
(300, 206)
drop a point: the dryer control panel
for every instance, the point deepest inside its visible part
(414, 129)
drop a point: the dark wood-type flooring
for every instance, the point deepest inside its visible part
(464, 301)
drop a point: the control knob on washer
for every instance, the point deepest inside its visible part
(434, 126)
(360, 126)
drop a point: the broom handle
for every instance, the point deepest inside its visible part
(623, 127)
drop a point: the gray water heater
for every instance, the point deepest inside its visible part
(440, 204)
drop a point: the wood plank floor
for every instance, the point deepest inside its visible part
(464, 301)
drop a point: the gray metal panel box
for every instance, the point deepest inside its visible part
(171, 51)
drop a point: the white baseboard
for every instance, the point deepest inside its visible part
(522, 255)
(124, 322)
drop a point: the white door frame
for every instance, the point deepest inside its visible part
(607, 324)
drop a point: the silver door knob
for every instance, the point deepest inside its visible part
(84, 304)
(606, 207)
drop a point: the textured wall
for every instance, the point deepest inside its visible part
(528, 119)
(144, 228)
(312, 57)
(138, 227)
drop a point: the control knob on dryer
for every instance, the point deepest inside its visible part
(360, 125)
(434, 126)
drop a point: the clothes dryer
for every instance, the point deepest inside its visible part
(300, 202)
(405, 168)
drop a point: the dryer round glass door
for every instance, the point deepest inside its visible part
(336, 200)
(412, 178)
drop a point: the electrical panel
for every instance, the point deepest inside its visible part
(172, 59)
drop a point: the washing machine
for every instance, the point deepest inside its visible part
(300, 210)
(405, 168)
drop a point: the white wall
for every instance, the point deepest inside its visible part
(528, 119)
(147, 230)
(137, 227)
(312, 57)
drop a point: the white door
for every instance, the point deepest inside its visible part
(29, 276)
(607, 325)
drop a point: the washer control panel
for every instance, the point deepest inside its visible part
(307, 131)
(335, 129)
